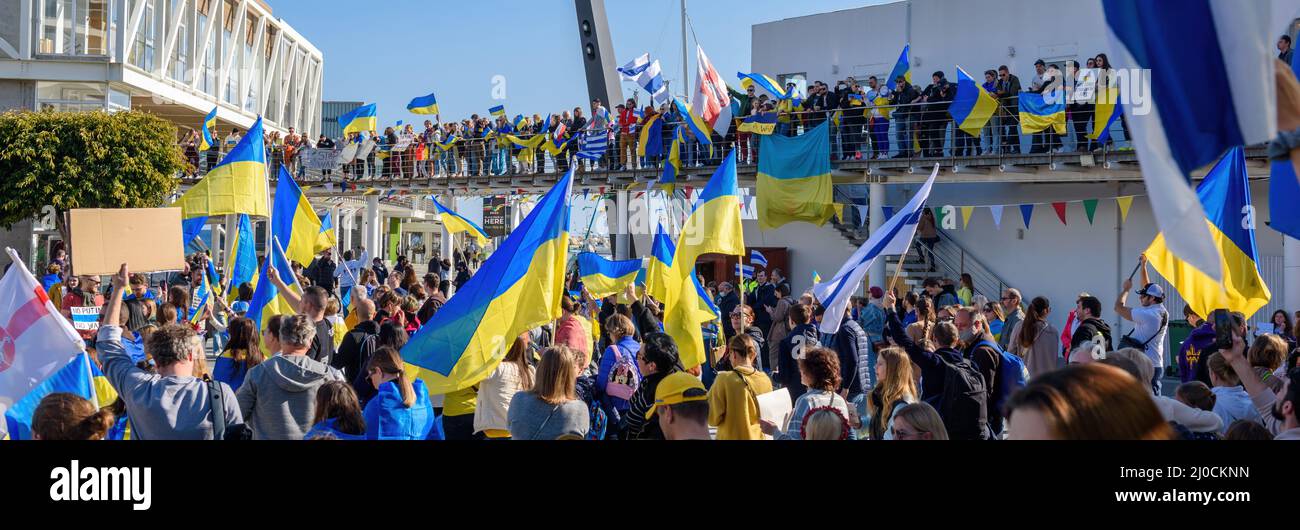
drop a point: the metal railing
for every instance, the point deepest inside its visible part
(956, 260)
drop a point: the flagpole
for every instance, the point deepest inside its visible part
(685, 62)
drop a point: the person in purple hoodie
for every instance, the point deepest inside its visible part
(1201, 339)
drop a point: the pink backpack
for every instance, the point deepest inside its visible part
(623, 376)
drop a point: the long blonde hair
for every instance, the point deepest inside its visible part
(897, 384)
(557, 376)
(518, 355)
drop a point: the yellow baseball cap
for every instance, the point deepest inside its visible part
(678, 387)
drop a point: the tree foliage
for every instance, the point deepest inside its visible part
(85, 160)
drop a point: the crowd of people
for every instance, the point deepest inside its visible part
(941, 363)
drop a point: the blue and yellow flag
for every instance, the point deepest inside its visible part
(698, 127)
(328, 237)
(447, 144)
(1225, 195)
(659, 273)
(1108, 110)
(1038, 113)
(603, 276)
(267, 300)
(763, 81)
(499, 110)
(973, 106)
(293, 221)
(763, 123)
(206, 141)
(816, 278)
(794, 179)
(236, 185)
(361, 119)
(75, 378)
(651, 141)
(199, 300)
(518, 288)
(242, 262)
(423, 105)
(902, 67)
(454, 222)
(672, 166)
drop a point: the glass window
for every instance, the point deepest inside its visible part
(96, 29)
(50, 37)
(800, 81)
(118, 100)
(71, 97)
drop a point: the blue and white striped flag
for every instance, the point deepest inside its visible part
(757, 258)
(892, 238)
(1187, 125)
(744, 271)
(592, 144)
(646, 73)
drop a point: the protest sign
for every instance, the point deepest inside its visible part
(149, 239)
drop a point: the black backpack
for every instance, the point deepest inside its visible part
(963, 404)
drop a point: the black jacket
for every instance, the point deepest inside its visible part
(321, 273)
(761, 344)
(988, 361)
(348, 359)
(727, 304)
(1087, 330)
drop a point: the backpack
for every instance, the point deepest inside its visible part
(623, 377)
(1012, 372)
(963, 404)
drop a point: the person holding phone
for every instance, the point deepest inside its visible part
(1150, 319)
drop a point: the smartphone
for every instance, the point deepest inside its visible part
(1224, 329)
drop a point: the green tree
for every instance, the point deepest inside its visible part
(84, 160)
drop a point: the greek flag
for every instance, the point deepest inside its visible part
(745, 271)
(592, 145)
(1185, 125)
(892, 238)
(646, 73)
(757, 258)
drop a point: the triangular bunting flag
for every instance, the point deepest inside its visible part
(1090, 206)
(966, 212)
(862, 214)
(996, 212)
(1124, 204)
(1026, 212)
(1060, 211)
(839, 211)
(888, 211)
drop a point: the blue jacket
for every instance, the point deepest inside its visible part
(387, 418)
(49, 280)
(629, 346)
(327, 427)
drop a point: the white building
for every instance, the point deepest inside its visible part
(175, 58)
(1048, 259)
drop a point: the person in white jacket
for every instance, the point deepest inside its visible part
(1196, 420)
(513, 375)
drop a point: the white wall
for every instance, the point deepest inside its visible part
(822, 249)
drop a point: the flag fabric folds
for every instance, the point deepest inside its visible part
(757, 258)
(1283, 196)
(647, 74)
(206, 140)
(744, 271)
(361, 119)
(236, 185)
(603, 276)
(764, 82)
(902, 67)
(454, 222)
(1187, 125)
(499, 110)
(694, 123)
(518, 288)
(294, 223)
(75, 377)
(1225, 195)
(200, 300)
(711, 100)
(592, 144)
(794, 179)
(763, 123)
(893, 237)
(267, 300)
(327, 237)
(673, 165)
(659, 273)
(1038, 112)
(423, 105)
(1108, 110)
(972, 107)
(651, 142)
(241, 265)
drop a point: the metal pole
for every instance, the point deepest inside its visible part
(684, 60)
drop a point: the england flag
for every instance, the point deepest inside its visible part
(711, 100)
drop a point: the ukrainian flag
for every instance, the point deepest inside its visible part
(448, 144)
(1108, 110)
(327, 237)
(423, 105)
(242, 261)
(267, 300)
(698, 127)
(764, 82)
(518, 288)
(209, 124)
(673, 166)
(499, 110)
(236, 185)
(902, 67)
(972, 107)
(763, 123)
(361, 119)
(651, 141)
(604, 277)
(1225, 195)
(1036, 113)
(76, 377)
(659, 273)
(200, 300)
(293, 222)
(455, 222)
(794, 179)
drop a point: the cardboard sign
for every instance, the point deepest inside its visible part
(319, 158)
(85, 317)
(146, 239)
